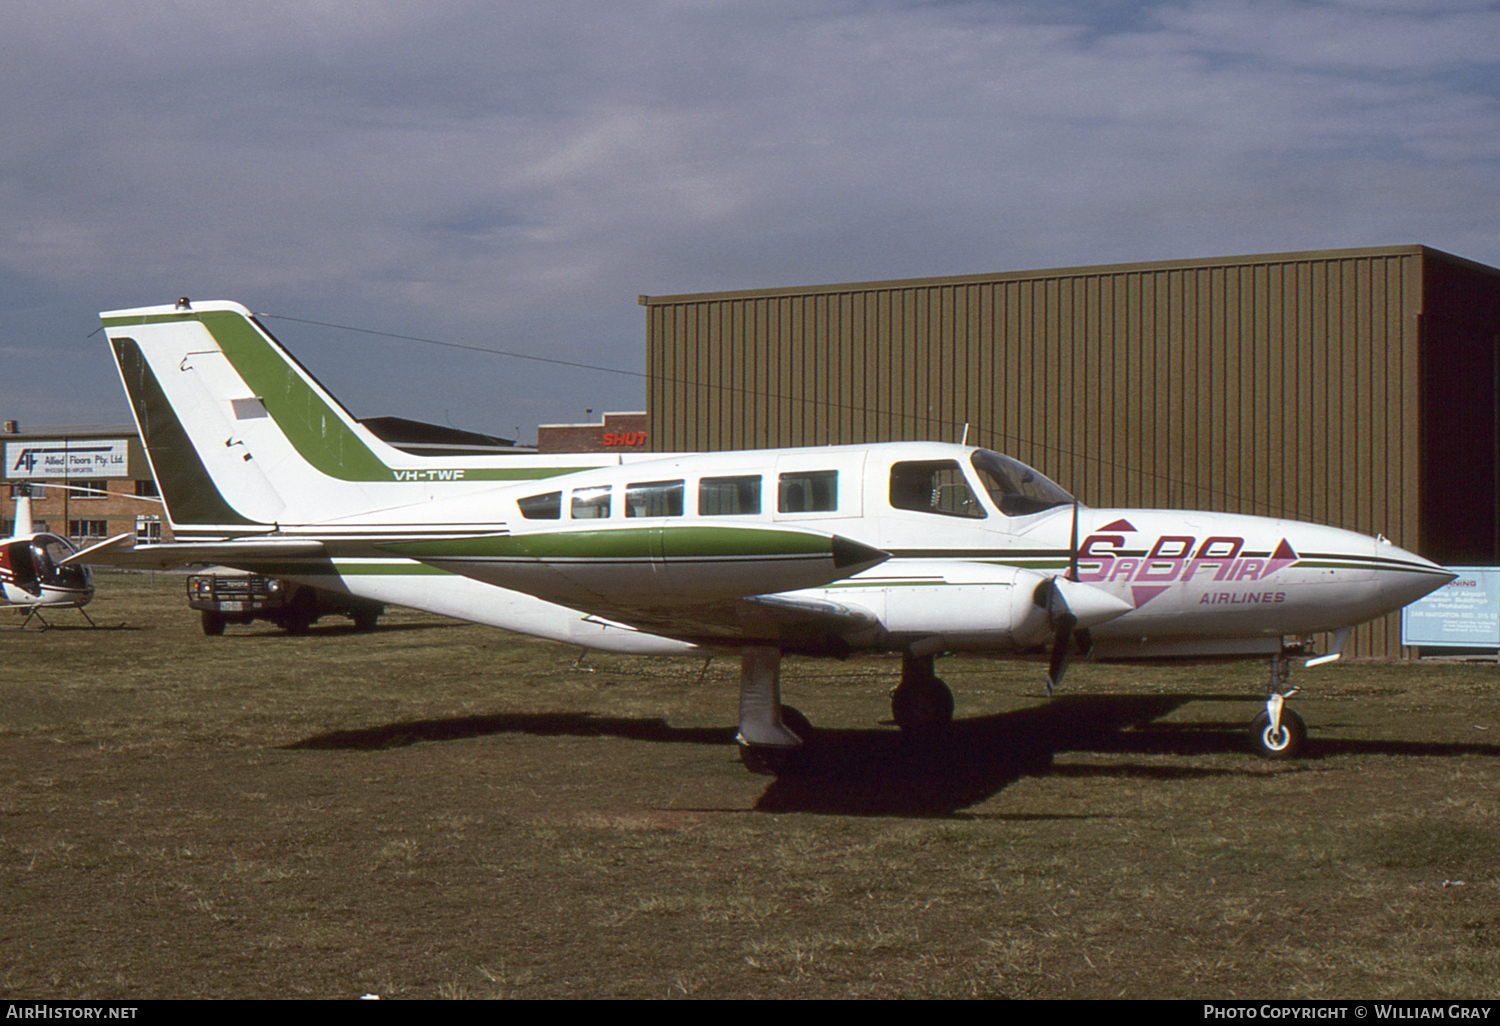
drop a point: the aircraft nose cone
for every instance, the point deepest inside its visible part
(1405, 576)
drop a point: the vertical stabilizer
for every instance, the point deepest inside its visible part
(239, 435)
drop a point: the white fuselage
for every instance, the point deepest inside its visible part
(962, 573)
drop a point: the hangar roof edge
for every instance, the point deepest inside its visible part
(1056, 272)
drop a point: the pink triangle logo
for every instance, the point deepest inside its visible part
(1141, 594)
(1119, 525)
(1283, 556)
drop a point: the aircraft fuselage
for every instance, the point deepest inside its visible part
(671, 534)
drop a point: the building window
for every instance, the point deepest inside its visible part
(88, 528)
(147, 489)
(147, 529)
(90, 489)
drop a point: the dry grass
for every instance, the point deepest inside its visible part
(442, 810)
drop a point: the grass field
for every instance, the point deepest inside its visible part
(442, 810)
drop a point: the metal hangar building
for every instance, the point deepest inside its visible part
(1358, 388)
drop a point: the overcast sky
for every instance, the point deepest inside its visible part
(513, 174)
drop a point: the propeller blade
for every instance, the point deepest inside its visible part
(1073, 546)
(1066, 621)
(1063, 620)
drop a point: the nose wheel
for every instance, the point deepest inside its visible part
(1283, 739)
(1278, 732)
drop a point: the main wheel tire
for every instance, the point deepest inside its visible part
(1287, 743)
(922, 706)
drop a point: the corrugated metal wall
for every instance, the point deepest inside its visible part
(1282, 385)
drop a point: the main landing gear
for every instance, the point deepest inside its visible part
(772, 736)
(1278, 732)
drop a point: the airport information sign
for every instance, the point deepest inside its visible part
(1464, 613)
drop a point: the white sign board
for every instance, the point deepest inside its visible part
(1464, 613)
(62, 460)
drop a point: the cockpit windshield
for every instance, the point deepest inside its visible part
(1015, 487)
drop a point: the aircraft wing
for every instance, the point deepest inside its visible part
(654, 566)
(790, 622)
(713, 585)
(123, 551)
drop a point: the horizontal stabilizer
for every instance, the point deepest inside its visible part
(122, 551)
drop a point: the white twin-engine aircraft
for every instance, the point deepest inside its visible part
(912, 547)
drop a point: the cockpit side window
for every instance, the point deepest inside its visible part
(541, 507)
(933, 486)
(1016, 488)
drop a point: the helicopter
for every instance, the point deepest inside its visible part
(32, 574)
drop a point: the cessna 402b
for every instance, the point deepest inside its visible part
(910, 547)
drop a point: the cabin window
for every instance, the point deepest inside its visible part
(654, 499)
(591, 503)
(729, 496)
(541, 507)
(933, 486)
(808, 491)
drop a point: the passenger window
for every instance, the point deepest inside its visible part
(808, 491)
(542, 507)
(729, 496)
(933, 486)
(654, 499)
(591, 503)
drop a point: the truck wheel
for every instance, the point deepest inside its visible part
(364, 619)
(213, 623)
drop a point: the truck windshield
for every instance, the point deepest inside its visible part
(1015, 487)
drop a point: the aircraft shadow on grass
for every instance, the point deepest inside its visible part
(877, 771)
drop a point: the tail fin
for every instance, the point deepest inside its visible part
(239, 435)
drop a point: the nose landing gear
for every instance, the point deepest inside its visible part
(1278, 732)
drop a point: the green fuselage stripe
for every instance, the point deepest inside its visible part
(684, 542)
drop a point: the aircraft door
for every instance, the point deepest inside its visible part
(19, 571)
